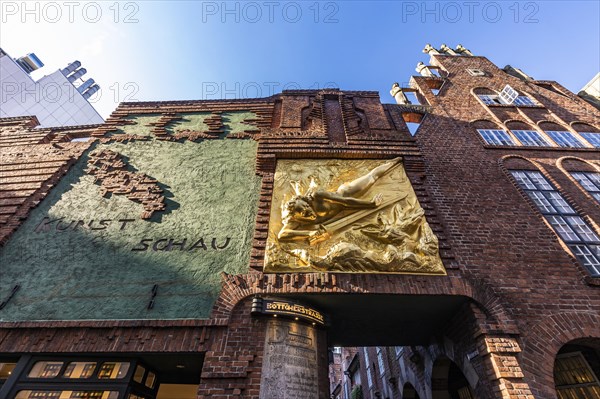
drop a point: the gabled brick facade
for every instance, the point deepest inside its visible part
(513, 296)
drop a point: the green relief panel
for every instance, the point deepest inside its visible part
(76, 257)
(189, 121)
(141, 124)
(234, 122)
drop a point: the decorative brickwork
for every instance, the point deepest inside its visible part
(110, 171)
(521, 295)
(31, 162)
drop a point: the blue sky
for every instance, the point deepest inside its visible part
(176, 50)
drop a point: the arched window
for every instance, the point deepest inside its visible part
(508, 96)
(492, 134)
(527, 135)
(561, 136)
(566, 222)
(588, 132)
(577, 369)
(487, 96)
(584, 173)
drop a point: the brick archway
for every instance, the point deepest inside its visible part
(543, 342)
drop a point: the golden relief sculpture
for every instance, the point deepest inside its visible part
(348, 216)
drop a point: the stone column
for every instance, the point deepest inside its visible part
(293, 364)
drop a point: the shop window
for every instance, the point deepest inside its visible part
(49, 369)
(6, 370)
(566, 222)
(590, 181)
(79, 370)
(138, 376)
(150, 380)
(48, 394)
(113, 370)
(496, 137)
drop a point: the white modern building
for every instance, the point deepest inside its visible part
(58, 99)
(591, 91)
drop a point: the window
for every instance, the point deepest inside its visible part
(496, 137)
(593, 138)
(399, 350)
(138, 376)
(6, 370)
(368, 367)
(150, 380)
(489, 99)
(380, 361)
(79, 370)
(571, 227)
(113, 370)
(476, 72)
(531, 138)
(45, 369)
(574, 377)
(47, 394)
(565, 139)
(523, 100)
(508, 95)
(590, 182)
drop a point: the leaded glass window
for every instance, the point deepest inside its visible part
(570, 226)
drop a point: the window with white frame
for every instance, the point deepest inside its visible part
(507, 96)
(531, 138)
(496, 137)
(592, 138)
(590, 181)
(567, 223)
(565, 139)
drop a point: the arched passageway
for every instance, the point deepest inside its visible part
(409, 392)
(448, 381)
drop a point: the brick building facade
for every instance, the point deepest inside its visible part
(132, 263)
